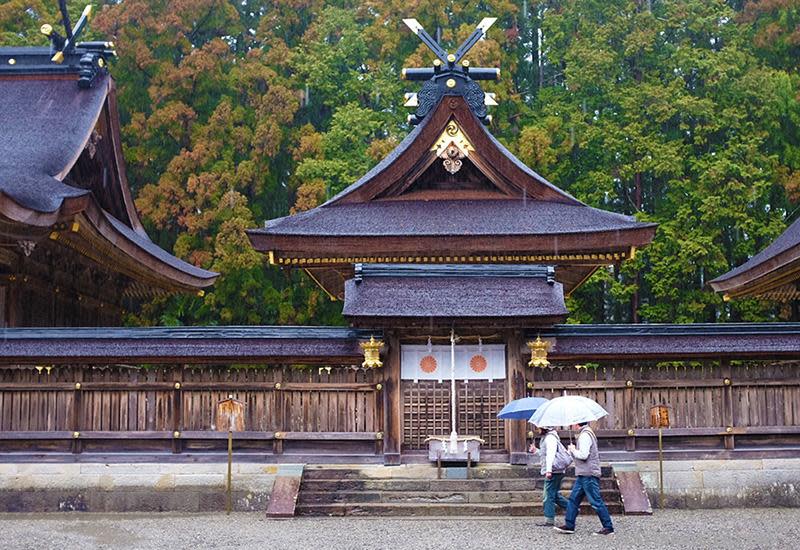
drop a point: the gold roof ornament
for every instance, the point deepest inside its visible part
(372, 352)
(539, 350)
(452, 146)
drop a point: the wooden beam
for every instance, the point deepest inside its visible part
(393, 401)
(515, 389)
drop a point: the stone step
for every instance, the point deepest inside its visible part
(439, 509)
(484, 485)
(426, 471)
(446, 497)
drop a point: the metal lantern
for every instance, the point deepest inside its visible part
(659, 416)
(538, 349)
(372, 351)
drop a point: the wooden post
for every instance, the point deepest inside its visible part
(660, 470)
(229, 499)
(629, 401)
(393, 402)
(515, 389)
(77, 406)
(282, 422)
(727, 402)
(378, 398)
(177, 410)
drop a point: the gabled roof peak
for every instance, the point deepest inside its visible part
(453, 136)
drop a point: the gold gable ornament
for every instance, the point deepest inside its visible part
(538, 349)
(372, 351)
(451, 147)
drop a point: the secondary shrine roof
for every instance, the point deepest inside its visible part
(451, 193)
(415, 294)
(62, 174)
(772, 273)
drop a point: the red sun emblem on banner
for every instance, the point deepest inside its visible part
(478, 363)
(428, 364)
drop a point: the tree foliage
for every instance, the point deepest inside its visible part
(681, 112)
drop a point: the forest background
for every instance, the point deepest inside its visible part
(681, 112)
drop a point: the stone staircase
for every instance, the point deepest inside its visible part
(414, 490)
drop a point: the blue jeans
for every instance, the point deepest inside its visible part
(588, 486)
(552, 496)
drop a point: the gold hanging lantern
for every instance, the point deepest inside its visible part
(538, 349)
(372, 351)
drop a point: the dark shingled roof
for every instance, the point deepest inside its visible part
(662, 341)
(46, 120)
(450, 217)
(453, 291)
(44, 125)
(192, 344)
(785, 241)
(156, 251)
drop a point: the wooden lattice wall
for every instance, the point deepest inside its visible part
(426, 411)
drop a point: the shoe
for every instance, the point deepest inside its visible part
(546, 524)
(605, 531)
(565, 530)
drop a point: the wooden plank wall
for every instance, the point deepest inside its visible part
(132, 402)
(711, 403)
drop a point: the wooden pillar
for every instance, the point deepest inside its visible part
(283, 420)
(515, 389)
(393, 401)
(727, 402)
(629, 403)
(177, 409)
(77, 410)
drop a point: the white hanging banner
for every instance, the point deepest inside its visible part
(420, 362)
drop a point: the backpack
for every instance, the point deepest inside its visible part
(562, 459)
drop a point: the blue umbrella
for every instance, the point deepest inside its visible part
(521, 409)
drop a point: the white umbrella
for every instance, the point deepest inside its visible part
(567, 410)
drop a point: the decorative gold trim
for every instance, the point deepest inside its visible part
(584, 259)
(452, 134)
(319, 284)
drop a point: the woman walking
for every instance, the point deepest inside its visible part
(554, 460)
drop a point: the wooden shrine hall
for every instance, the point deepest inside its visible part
(452, 260)
(72, 248)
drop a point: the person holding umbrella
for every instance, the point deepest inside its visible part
(555, 460)
(576, 411)
(587, 482)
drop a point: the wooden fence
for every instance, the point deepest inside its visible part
(714, 406)
(127, 409)
(719, 404)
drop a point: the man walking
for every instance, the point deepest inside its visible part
(587, 482)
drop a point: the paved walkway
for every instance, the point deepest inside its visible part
(717, 529)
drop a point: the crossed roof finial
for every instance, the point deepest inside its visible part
(447, 77)
(91, 56)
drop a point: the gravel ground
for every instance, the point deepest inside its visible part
(732, 528)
